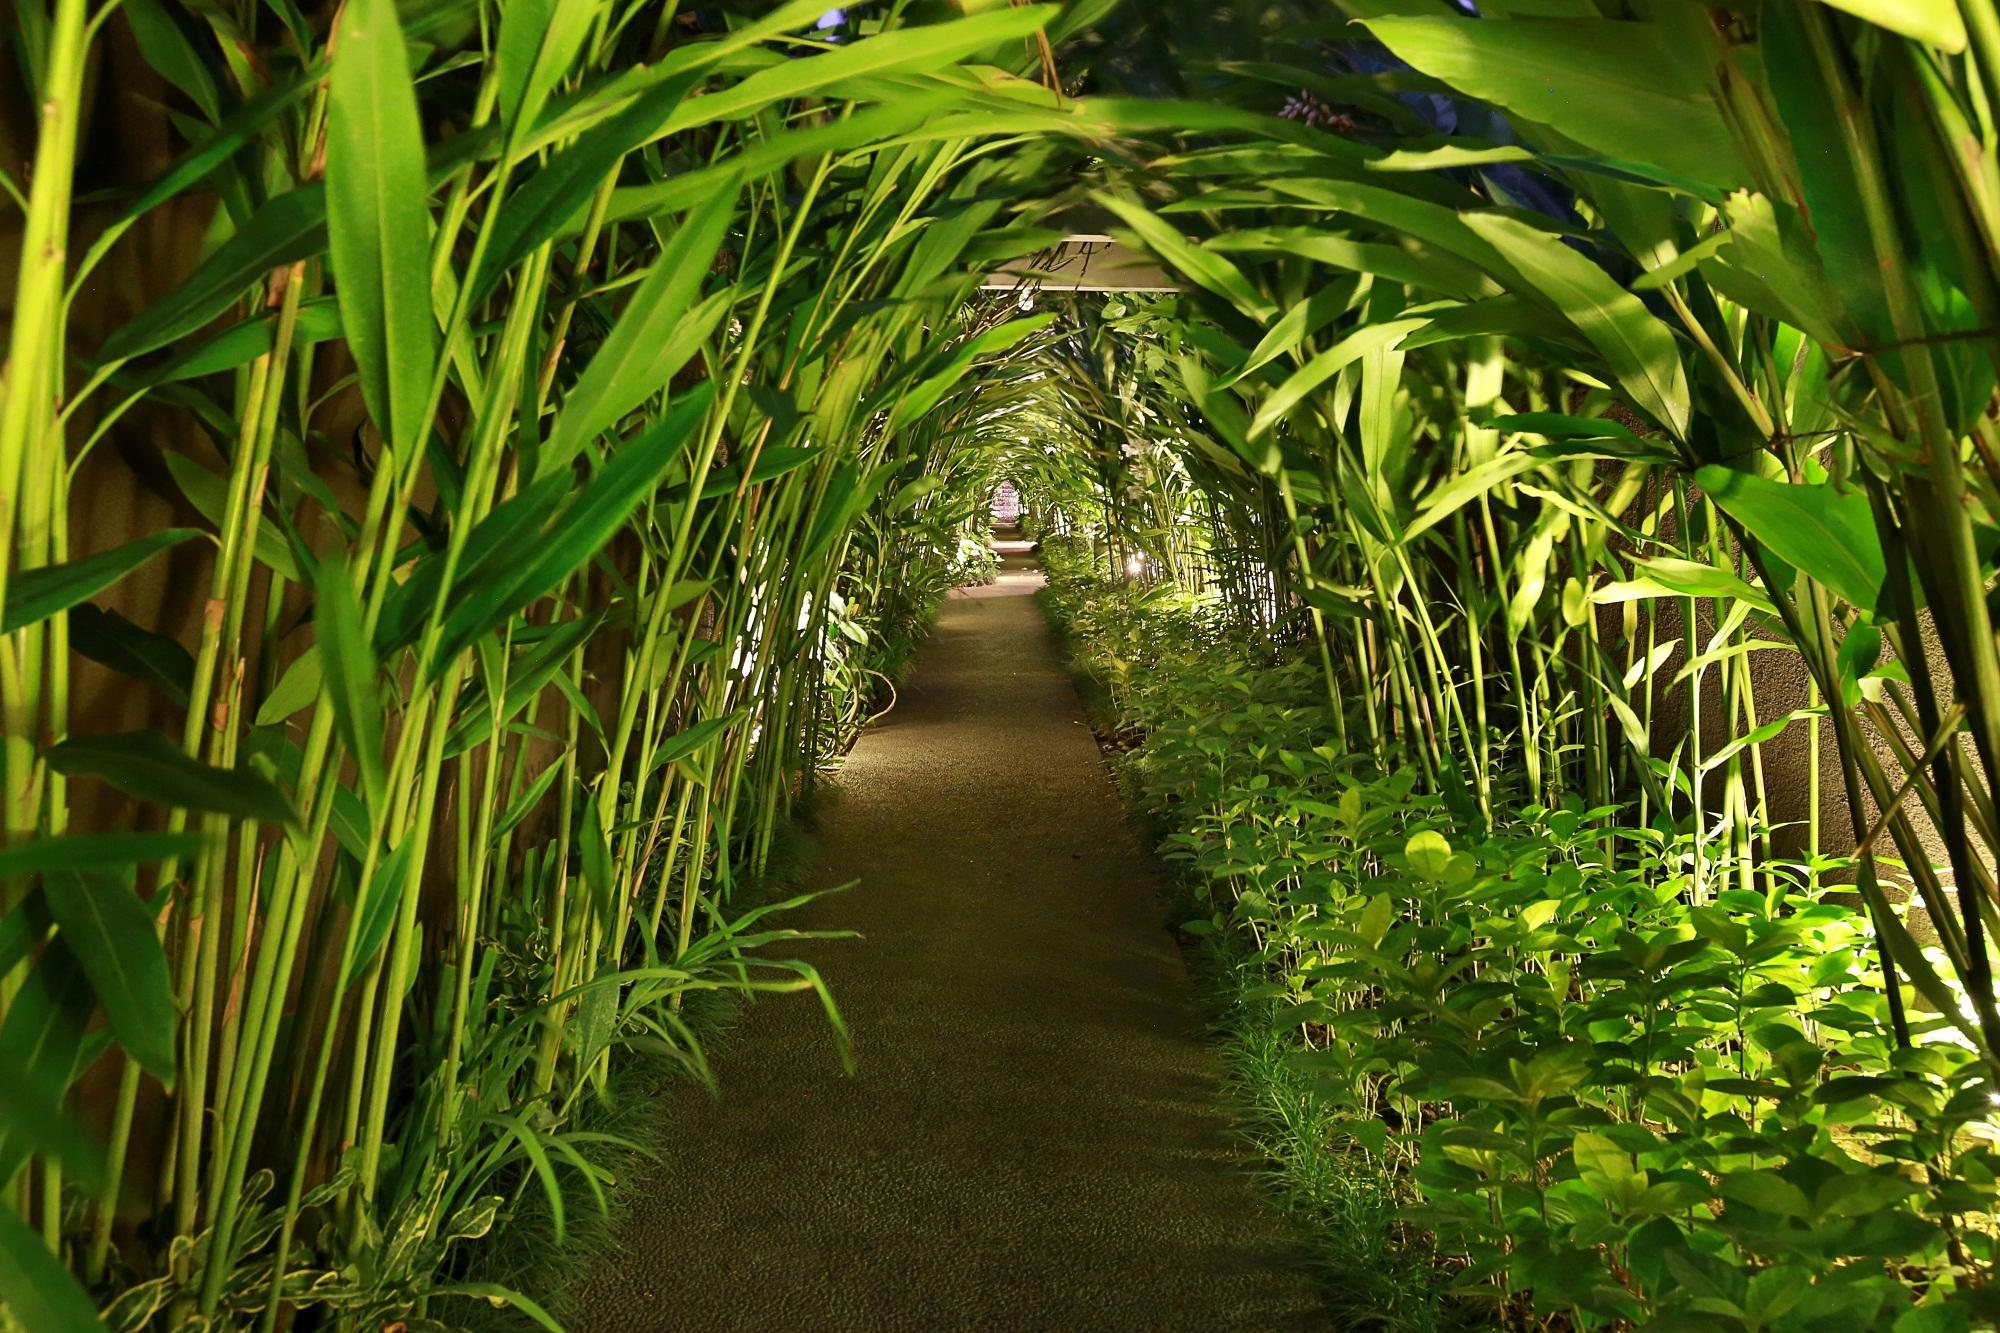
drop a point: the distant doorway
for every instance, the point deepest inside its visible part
(1006, 506)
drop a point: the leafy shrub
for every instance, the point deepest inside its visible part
(1614, 1104)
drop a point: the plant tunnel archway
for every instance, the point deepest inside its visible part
(471, 469)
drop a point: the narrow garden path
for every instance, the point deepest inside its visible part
(1032, 1140)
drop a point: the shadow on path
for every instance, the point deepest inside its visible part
(1032, 1140)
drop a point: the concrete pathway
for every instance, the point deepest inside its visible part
(1032, 1140)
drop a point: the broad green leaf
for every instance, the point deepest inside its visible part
(1639, 350)
(43, 1047)
(1669, 576)
(538, 41)
(692, 739)
(35, 1286)
(1465, 487)
(1428, 854)
(1619, 87)
(316, 321)
(995, 341)
(1828, 534)
(378, 222)
(1303, 382)
(559, 192)
(111, 934)
(109, 639)
(147, 765)
(375, 907)
(525, 803)
(1410, 262)
(932, 46)
(36, 594)
(1932, 22)
(1769, 731)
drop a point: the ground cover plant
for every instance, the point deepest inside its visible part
(1594, 1101)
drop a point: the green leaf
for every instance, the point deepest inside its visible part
(693, 738)
(1205, 267)
(553, 197)
(348, 670)
(641, 355)
(36, 1288)
(1622, 88)
(1932, 22)
(1668, 576)
(111, 934)
(1428, 854)
(1766, 1190)
(77, 852)
(107, 638)
(1828, 534)
(296, 688)
(378, 221)
(633, 472)
(42, 1048)
(375, 907)
(285, 230)
(1316, 372)
(1463, 488)
(495, 1294)
(36, 594)
(538, 41)
(147, 765)
(1639, 350)
(209, 494)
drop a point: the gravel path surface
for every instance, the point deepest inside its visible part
(1032, 1139)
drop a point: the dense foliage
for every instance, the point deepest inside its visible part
(1596, 1099)
(546, 399)
(568, 411)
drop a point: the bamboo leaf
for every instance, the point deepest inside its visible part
(1619, 87)
(36, 1287)
(95, 851)
(110, 933)
(378, 223)
(538, 41)
(42, 1047)
(1205, 267)
(348, 670)
(289, 228)
(1932, 22)
(633, 472)
(147, 765)
(638, 358)
(1303, 382)
(296, 689)
(1639, 350)
(107, 638)
(209, 494)
(36, 594)
(375, 908)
